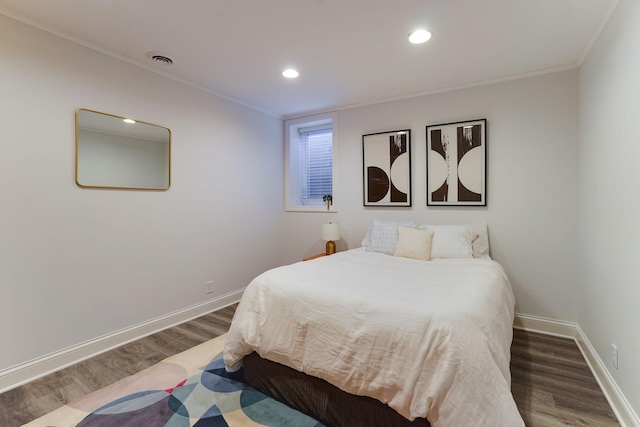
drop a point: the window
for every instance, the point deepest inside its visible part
(310, 162)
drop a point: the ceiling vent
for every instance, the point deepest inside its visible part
(159, 58)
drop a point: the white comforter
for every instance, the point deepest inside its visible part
(430, 339)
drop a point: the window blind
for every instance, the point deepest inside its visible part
(316, 163)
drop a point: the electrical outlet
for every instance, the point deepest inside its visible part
(614, 355)
(208, 287)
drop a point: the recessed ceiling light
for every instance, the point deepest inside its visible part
(290, 73)
(419, 36)
(128, 121)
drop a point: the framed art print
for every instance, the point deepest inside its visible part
(457, 164)
(387, 168)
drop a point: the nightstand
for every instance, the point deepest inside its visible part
(314, 256)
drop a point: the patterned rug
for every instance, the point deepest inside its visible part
(189, 389)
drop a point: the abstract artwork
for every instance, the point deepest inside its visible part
(457, 164)
(387, 168)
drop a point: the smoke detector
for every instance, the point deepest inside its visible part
(159, 58)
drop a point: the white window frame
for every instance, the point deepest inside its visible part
(292, 203)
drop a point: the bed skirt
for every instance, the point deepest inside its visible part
(319, 399)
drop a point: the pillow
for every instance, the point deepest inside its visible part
(366, 240)
(480, 243)
(414, 243)
(450, 241)
(384, 236)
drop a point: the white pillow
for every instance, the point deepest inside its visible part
(480, 242)
(450, 241)
(414, 243)
(366, 240)
(384, 236)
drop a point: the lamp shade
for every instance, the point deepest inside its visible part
(330, 231)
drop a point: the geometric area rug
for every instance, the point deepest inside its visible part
(191, 388)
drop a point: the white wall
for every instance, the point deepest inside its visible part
(75, 263)
(532, 174)
(609, 197)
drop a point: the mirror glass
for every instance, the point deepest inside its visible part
(114, 153)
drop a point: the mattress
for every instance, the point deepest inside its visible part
(429, 339)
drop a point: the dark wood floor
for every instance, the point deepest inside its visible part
(31, 401)
(551, 382)
(553, 385)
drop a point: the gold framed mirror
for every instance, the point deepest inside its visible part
(120, 153)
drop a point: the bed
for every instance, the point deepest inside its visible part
(428, 341)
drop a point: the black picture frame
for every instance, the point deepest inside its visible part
(457, 152)
(386, 161)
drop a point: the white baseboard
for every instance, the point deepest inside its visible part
(42, 366)
(619, 404)
(545, 326)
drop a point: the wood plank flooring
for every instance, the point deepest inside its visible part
(32, 400)
(551, 382)
(553, 385)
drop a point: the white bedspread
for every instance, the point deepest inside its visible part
(430, 339)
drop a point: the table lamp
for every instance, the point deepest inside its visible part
(330, 233)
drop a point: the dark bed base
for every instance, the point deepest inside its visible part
(319, 399)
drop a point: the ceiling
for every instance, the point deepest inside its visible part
(348, 52)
